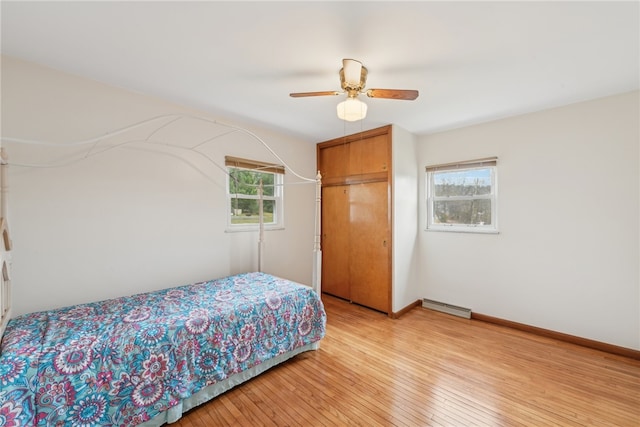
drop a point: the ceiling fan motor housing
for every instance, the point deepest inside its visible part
(350, 86)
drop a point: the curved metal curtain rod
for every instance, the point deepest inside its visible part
(94, 141)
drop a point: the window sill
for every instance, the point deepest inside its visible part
(472, 230)
(243, 229)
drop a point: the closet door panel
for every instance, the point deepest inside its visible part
(335, 241)
(369, 156)
(333, 162)
(370, 245)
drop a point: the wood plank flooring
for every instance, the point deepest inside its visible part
(432, 369)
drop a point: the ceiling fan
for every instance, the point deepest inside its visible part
(353, 77)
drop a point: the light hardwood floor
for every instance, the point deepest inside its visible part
(429, 368)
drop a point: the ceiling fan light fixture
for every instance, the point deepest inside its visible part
(352, 110)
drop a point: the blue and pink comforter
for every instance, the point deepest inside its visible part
(121, 362)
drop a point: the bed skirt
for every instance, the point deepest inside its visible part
(174, 413)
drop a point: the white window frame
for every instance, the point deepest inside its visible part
(278, 193)
(431, 198)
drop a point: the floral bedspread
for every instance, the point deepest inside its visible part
(120, 362)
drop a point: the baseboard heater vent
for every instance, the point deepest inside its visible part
(447, 308)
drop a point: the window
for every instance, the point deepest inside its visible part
(462, 196)
(243, 199)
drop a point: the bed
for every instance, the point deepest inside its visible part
(147, 358)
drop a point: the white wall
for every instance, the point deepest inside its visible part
(405, 177)
(138, 217)
(567, 256)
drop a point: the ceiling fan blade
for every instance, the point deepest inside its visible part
(352, 72)
(404, 94)
(302, 94)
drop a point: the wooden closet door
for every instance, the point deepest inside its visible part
(370, 245)
(333, 163)
(335, 241)
(369, 155)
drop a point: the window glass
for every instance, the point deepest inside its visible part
(462, 212)
(463, 183)
(462, 197)
(244, 198)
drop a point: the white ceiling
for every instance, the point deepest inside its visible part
(471, 61)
